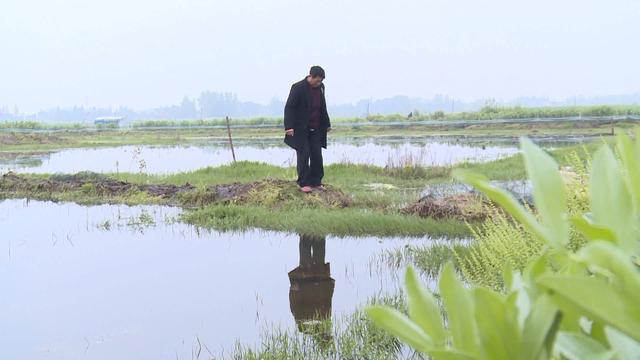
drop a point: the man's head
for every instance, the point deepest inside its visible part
(316, 75)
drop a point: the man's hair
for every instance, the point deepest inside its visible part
(316, 71)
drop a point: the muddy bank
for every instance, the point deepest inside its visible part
(11, 138)
(464, 207)
(462, 202)
(85, 182)
(89, 187)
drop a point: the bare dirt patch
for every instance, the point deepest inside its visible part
(466, 207)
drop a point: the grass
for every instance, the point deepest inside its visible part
(339, 222)
(362, 182)
(87, 196)
(428, 258)
(242, 171)
(350, 337)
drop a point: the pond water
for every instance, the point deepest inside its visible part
(172, 159)
(116, 282)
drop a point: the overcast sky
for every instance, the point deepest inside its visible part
(147, 53)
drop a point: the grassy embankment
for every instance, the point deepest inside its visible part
(375, 196)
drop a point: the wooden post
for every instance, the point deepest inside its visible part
(612, 129)
(230, 141)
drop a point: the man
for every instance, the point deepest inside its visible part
(306, 123)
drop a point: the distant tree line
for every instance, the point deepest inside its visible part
(211, 104)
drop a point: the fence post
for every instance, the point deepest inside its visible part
(230, 141)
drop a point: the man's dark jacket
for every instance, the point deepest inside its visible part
(297, 112)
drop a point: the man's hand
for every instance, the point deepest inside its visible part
(289, 132)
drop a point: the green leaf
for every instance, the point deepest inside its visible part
(540, 329)
(505, 200)
(548, 192)
(624, 347)
(423, 309)
(609, 258)
(610, 198)
(576, 346)
(597, 300)
(630, 156)
(458, 304)
(450, 354)
(401, 326)
(497, 325)
(517, 288)
(592, 231)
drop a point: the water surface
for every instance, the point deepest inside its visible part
(172, 159)
(116, 282)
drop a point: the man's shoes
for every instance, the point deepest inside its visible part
(305, 189)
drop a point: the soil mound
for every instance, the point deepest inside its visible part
(277, 191)
(466, 207)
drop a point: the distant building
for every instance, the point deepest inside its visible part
(108, 121)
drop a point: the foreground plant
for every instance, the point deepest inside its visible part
(499, 241)
(564, 304)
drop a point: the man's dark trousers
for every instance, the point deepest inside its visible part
(309, 164)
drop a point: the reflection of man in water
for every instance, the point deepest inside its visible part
(311, 289)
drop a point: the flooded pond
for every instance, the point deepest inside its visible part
(172, 159)
(115, 282)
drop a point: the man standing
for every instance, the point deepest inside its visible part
(306, 123)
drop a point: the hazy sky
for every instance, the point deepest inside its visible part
(147, 53)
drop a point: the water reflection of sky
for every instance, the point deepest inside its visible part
(153, 159)
(147, 288)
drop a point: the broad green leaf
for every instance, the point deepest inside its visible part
(517, 288)
(576, 346)
(597, 332)
(540, 329)
(401, 326)
(548, 192)
(497, 325)
(623, 346)
(423, 309)
(536, 268)
(592, 231)
(450, 354)
(630, 155)
(458, 304)
(605, 256)
(505, 200)
(610, 198)
(597, 299)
